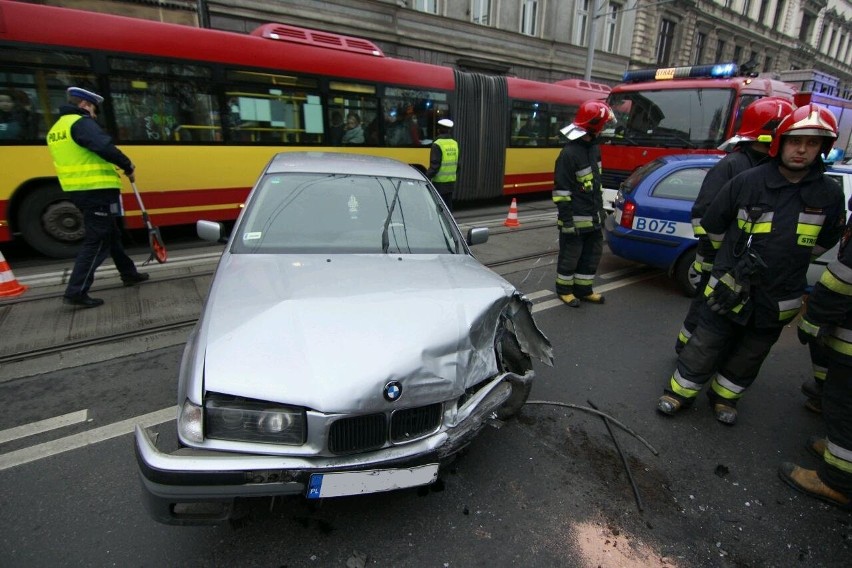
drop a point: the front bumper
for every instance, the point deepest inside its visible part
(192, 486)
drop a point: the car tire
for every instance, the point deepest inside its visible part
(516, 361)
(50, 223)
(685, 274)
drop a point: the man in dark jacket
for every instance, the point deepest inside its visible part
(85, 160)
(579, 201)
(767, 221)
(749, 147)
(828, 322)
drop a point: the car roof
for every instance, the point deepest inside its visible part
(691, 158)
(840, 169)
(340, 163)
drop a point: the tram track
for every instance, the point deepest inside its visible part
(170, 327)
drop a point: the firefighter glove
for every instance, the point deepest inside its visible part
(724, 298)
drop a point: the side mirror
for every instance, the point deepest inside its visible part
(477, 236)
(211, 231)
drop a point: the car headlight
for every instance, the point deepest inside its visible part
(246, 420)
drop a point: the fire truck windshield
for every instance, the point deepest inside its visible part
(670, 118)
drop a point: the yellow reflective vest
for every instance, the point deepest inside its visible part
(78, 168)
(449, 160)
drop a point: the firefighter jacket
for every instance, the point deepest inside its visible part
(742, 158)
(829, 312)
(785, 224)
(83, 154)
(577, 187)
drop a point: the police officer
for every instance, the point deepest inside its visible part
(578, 198)
(84, 157)
(444, 162)
(748, 147)
(828, 322)
(768, 222)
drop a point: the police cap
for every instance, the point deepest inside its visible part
(93, 98)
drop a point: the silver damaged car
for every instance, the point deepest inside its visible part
(349, 344)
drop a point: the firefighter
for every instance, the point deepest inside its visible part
(768, 221)
(827, 322)
(748, 147)
(578, 198)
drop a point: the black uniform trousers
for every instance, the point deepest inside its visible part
(445, 189)
(733, 353)
(837, 413)
(705, 250)
(579, 256)
(102, 238)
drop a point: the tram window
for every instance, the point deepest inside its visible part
(352, 115)
(163, 102)
(560, 117)
(529, 123)
(265, 108)
(411, 116)
(30, 96)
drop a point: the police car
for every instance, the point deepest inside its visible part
(651, 221)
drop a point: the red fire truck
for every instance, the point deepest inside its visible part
(690, 110)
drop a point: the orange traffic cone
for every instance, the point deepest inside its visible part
(512, 219)
(9, 286)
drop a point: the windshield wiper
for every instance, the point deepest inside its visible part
(385, 239)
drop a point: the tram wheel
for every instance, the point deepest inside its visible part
(50, 223)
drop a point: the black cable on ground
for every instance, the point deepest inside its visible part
(623, 459)
(599, 413)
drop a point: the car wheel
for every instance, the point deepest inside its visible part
(514, 360)
(50, 223)
(685, 274)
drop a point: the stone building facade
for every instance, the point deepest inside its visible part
(547, 40)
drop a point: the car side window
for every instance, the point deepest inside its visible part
(681, 184)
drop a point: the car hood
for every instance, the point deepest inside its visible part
(329, 332)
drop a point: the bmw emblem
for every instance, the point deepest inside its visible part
(393, 390)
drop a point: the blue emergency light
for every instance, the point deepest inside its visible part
(716, 71)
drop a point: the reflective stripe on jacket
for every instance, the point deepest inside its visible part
(449, 160)
(78, 168)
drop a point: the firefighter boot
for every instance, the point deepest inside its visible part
(808, 482)
(670, 404)
(817, 446)
(593, 298)
(570, 299)
(724, 410)
(813, 390)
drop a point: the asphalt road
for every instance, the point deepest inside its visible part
(546, 489)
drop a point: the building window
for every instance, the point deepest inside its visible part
(480, 12)
(762, 12)
(665, 41)
(700, 42)
(805, 30)
(779, 11)
(430, 6)
(611, 27)
(581, 35)
(720, 51)
(529, 15)
(738, 52)
(767, 64)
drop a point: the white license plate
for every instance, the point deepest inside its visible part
(372, 481)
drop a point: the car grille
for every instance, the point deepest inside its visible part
(412, 423)
(370, 432)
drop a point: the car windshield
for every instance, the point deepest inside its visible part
(674, 118)
(628, 185)
(344, 213)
